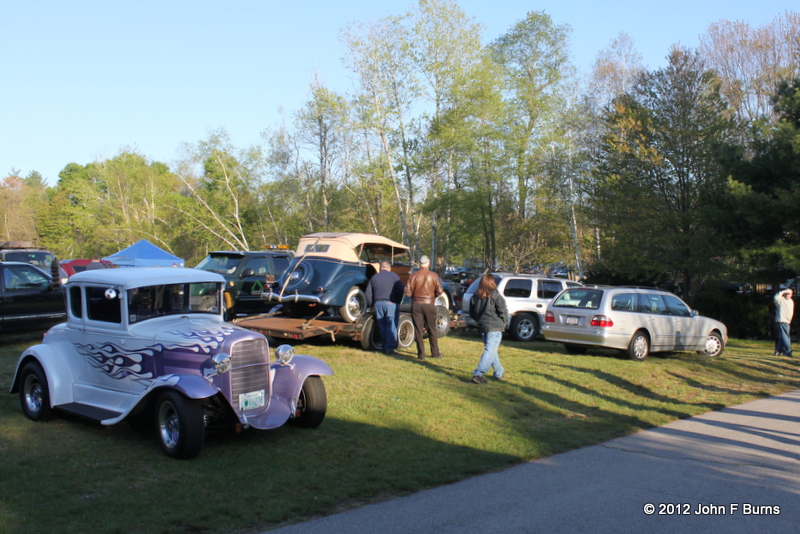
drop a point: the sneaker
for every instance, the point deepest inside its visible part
(500, 378)
(478, 379)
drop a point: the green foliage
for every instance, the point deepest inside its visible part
(659, 173)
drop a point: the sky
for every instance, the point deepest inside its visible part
(83, 80)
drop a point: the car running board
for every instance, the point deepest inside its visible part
(89, 412)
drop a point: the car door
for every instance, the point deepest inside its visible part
(688, 332)
(660, 325)
(28, 300)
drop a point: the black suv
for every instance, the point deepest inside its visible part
(247, 274)
(24, 252)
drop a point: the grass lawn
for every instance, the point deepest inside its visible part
(394, 426)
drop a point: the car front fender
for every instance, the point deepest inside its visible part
(56, 367)
(289, 379)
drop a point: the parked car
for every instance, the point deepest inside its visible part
(635, 320)
(526, 296)
(29, 299)
(150, 344)
(330, 273)
(71, 267)
(25, 252)
(247, 274)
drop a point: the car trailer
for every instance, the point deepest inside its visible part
(364, 330)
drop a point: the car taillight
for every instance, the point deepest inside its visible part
(549, 317)
(602, 320)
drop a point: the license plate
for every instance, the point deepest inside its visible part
(572, 320)
(251, 400)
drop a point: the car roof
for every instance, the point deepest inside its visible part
(26, 264)
(344, 244)
(131, 277)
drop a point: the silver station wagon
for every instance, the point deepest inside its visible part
(635, 320)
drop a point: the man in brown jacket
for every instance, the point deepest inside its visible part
(423, 287)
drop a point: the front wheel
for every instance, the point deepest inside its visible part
(179, 421)
(355, 304)
(34, 394)
(639, 347)
(714, 345)
(312, 404)
(524, 327)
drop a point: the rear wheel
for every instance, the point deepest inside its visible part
(639, 347)
(34, 394)
(180, 425)
(524, 327)
(355, 304)
(312, 404)
(442, 321)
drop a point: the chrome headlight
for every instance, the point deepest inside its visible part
(222, 363)
(284, 354)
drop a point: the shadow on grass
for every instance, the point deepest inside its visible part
(103, 479)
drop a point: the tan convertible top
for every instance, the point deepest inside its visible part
(348, 246)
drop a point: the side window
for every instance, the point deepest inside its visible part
(624, 302)
(518, 288)
(24, 278)
(677, 307)
(75, 301)
(100, 308)
(548, 290)
(649, 303)
(260, 266)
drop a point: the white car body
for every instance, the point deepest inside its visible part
(133, 335)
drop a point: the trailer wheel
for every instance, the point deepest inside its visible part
(405, 331)
(371, 335)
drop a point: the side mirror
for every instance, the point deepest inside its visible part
(246, 273)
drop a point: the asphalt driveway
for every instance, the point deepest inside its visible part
(734, 471)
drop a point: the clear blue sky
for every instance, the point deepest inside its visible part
(82, 80)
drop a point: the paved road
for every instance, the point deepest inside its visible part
(738, 467)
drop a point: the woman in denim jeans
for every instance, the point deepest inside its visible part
(488, 308)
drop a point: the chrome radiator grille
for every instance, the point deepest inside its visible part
(249, 370)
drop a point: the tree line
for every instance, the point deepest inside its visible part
(500, 152)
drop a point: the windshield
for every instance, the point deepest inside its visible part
(579, 297)
(40, 259)
(172, 299)
(220, 263)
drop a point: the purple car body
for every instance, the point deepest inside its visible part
(152, 343)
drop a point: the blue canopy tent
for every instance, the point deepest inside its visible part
(144, 254)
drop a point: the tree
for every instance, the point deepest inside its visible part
(659, 170)
(751, 62)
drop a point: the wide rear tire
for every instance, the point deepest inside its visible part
(34, 393)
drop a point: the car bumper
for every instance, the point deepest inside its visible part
(597, 337)
(270, 296)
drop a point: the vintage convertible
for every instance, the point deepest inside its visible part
(330, 272)
(150, 345)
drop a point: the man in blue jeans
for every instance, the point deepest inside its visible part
(784, 311)
(384, 294)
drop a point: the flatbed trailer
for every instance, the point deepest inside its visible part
(364, 330)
